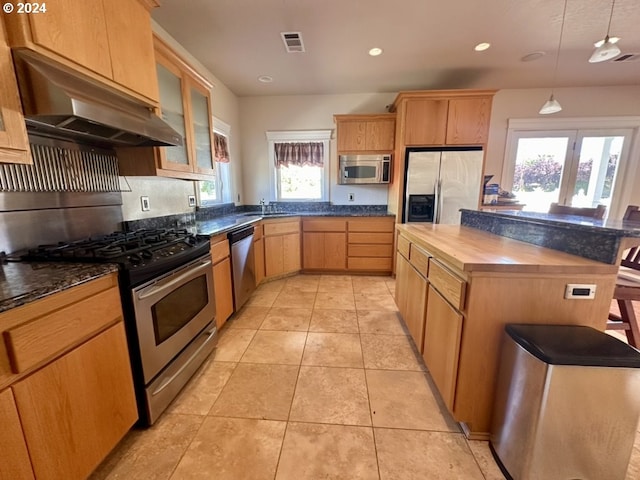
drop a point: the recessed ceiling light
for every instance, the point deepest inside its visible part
(374, 52)
(530, 57)
(611, 40)
(481, 47)
(265, 79)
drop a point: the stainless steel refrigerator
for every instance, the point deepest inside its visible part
(441, 181)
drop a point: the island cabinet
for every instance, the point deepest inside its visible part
(372, 133)
(222, 283)
(14, 457)
(14, 144)
(281, 246)
(185, 104)
(66, 361)
(475, 283)
(258, 252)
(324, 244)
(109, 41)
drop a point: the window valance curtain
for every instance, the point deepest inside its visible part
(299, 154)
(221, 148)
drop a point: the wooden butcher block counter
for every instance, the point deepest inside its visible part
(457, 287)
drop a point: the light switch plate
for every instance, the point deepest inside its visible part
(580, 291)
(144, 201)
(192, 200)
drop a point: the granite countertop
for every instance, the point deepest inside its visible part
(24, 282)
(227, 223)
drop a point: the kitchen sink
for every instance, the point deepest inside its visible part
(268, 214)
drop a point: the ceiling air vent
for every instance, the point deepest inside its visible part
(628, 57)
(292, 41)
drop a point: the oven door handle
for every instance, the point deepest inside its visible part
(169, 283)
(210, 336)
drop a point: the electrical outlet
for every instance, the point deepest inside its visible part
(580, 291)
(351, 197)
(145, 204)
(192, 200)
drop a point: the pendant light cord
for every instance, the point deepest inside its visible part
(613, 4)
(555, 71)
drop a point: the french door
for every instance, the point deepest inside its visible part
(571, 167)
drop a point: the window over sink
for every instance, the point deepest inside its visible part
(299, 165)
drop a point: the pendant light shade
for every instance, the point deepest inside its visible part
(550, 106)
(606, 49)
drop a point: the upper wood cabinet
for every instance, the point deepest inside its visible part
(447, 117)
(14, 144)
(365, 133)
(110, 41)
(185, 104)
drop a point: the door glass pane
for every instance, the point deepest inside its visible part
(172, 112)
(201, 129)
(597, 164)
(538, 172)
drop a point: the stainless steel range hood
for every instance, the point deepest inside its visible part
(62, 104)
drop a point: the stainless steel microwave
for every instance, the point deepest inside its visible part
(364, 169)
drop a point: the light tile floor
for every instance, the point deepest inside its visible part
(315, 378)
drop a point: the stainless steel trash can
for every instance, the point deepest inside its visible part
(567, 404)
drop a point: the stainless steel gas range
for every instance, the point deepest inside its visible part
(166, 284)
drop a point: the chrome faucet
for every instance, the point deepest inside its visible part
(262, 207)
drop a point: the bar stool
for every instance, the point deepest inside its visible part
(628, 289)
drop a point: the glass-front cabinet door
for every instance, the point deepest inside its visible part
(14, 144)
(202, 130)
(171, 88)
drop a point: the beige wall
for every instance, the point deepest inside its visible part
(302, 112)
(168, 196)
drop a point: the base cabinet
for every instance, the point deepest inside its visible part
(411, 298)
(258, 254)
(222, 283)
(442, 335)
(78, 407)
(282, 247)
(14, 457)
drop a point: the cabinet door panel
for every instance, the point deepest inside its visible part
(416, 306)
(14, 457)
(258, 249)
(75, 30)
(380, 135)
(425, 122)
(335, 251)
(131, 46)
(223, 291)
(442, 335)
(468, 121)
(291, 252)
(273, 255)
(14, 144)
(200, 114)
(401, 292)
(352, 136)
(313, 250)
(77, 408)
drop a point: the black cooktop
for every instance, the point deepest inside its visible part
(141, 254)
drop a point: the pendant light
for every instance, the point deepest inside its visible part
(552, 105)
(606, 49)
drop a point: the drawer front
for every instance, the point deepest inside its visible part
(281, 228)
(370, 251)
(419, 259)
(324, 225)
(35, 341)
(379, 238)
(403, 246)
(372, 225)
(449, 285)
(373, 264)
(219, 251)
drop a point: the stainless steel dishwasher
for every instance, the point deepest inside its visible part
(242, 265)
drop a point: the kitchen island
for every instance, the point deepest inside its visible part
(457, 287)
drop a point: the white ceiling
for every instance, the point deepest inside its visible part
(428, 44)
